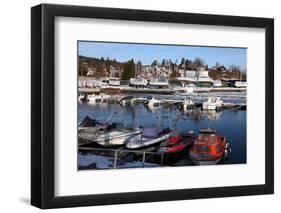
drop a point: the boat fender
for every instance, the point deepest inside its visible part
(227, 147)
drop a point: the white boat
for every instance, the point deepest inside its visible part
(153, 102)
(213, 103)
(126, 100)
(149, 137)
(97, 98)
(80, 97)
(138, 100)
(116, 138)
(188, 103)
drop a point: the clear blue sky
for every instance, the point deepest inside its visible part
(147, 53)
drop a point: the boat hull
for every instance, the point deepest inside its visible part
(206, 161)
(114, 139)
(145, 142)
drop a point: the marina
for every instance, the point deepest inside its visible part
(133, 133)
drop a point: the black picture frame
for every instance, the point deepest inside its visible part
(43, 110)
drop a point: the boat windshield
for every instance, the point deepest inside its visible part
(203, 149)
(213, 138)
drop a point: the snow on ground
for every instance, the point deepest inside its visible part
(103, 162)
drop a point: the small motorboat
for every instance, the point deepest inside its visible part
(213, 103)
(126, 100)
(187, 104)
(97, 97)
(116, 138)
(138, 100)
(88, 122)
(209, 148)
(153, 102)
(89, 129)
(150, 136)
(178, 142)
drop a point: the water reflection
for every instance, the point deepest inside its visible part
(229, 122)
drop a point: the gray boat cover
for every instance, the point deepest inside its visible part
(150, 132)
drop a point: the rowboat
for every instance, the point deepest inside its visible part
(178, 142)
(149, 137)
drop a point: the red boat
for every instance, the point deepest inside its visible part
(177, 142)
(209, 148)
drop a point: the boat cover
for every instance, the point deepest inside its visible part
(150, 132)
(88, 122)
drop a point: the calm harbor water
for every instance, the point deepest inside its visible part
(230, 123)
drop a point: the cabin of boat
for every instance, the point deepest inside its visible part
(209, 148)
(213, 103)
(152, 102)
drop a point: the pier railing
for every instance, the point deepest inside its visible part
(117, 152)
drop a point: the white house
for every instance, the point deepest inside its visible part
(195, 76)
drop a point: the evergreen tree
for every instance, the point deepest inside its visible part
(154, 63)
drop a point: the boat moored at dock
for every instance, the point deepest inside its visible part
(178, 142)
(152, 102)
(150, 136)
(187, 104)
(93, 98)
(116, 138)
(209, 148)
(213, 103)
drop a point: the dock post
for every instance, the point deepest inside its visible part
(143, 159)
(162, 156)
(115, 159)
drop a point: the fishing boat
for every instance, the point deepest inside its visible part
(116, 138)
(209, 148)
(152, 102)
(151, 136)
(177, 142)
(213, 103)
(187, 104)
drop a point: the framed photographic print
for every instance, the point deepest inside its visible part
(139, 106)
